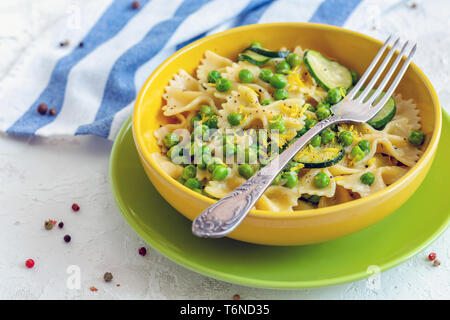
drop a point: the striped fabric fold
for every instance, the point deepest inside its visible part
(92, 86)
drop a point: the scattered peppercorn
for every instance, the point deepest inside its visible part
(67, 238)
(436, 262)
(42, 108)
(48, 225)
(414, 5)
(142, 251)
(108, 276)
(432, 256)
(81, 44)
(64, 43)
(52, 112)
(135, 4)
(61, 225)
(236, 297)
(29, 263)
(75, 207)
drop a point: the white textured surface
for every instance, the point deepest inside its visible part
(41, 178)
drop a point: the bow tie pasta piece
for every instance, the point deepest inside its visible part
(340, 196)
(184, 93)
(173, 170)
(162, 131)
(407, 109)
(306, 184)
(219, 189)
(278, 198)
(212, 61)
(384, 176)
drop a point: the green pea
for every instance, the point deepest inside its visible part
(316, 141)
(346, 138)
(223, 85)
(181, 160)
(364, 145)
(324, 105)
(291, 179)
(265, 75)
(181, 180)
(195, 119)
(278, 81)
(310, 107)
(213, 122)
(245, 76)
(246, 170)
(234, 118)
(310, 123)
(205, 111)
(193, 183)
(301, 132)
(277, 180)
(321, 180)
(213, 163)
(323, 113)
(189, 172)
(266, 102)
(277, 124)
(327, 136)
(213, 76)
(174, 151)
(171, 139)
(201, 132)
(282, 67)
(203, 164)
(206, 150)
(334, 95)
(220, 172)
(367, 178)
(255, 44)
(356, 153)
(416, 138)
(230, 149)
(294, 60)
(280, 94)
(355, 76)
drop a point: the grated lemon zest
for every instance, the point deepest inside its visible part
(371, 161)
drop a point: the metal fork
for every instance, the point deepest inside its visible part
(226, 214)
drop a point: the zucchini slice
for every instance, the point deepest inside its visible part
(321, 157)
(327, 73)
(385, 114)
(268, 53)
(253, 57)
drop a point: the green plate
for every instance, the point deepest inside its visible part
(386, 244)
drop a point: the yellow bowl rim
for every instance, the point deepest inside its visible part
(426, 156)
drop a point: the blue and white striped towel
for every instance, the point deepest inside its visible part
(93, 87)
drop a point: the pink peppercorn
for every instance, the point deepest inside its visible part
(29, 263)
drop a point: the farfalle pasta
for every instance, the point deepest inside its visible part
(232, 117)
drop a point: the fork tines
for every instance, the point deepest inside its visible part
(365, 96)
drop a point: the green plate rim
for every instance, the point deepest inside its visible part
(266, 284)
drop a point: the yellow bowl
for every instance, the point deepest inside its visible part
(353, 50)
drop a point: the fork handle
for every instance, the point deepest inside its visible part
(226, 214)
